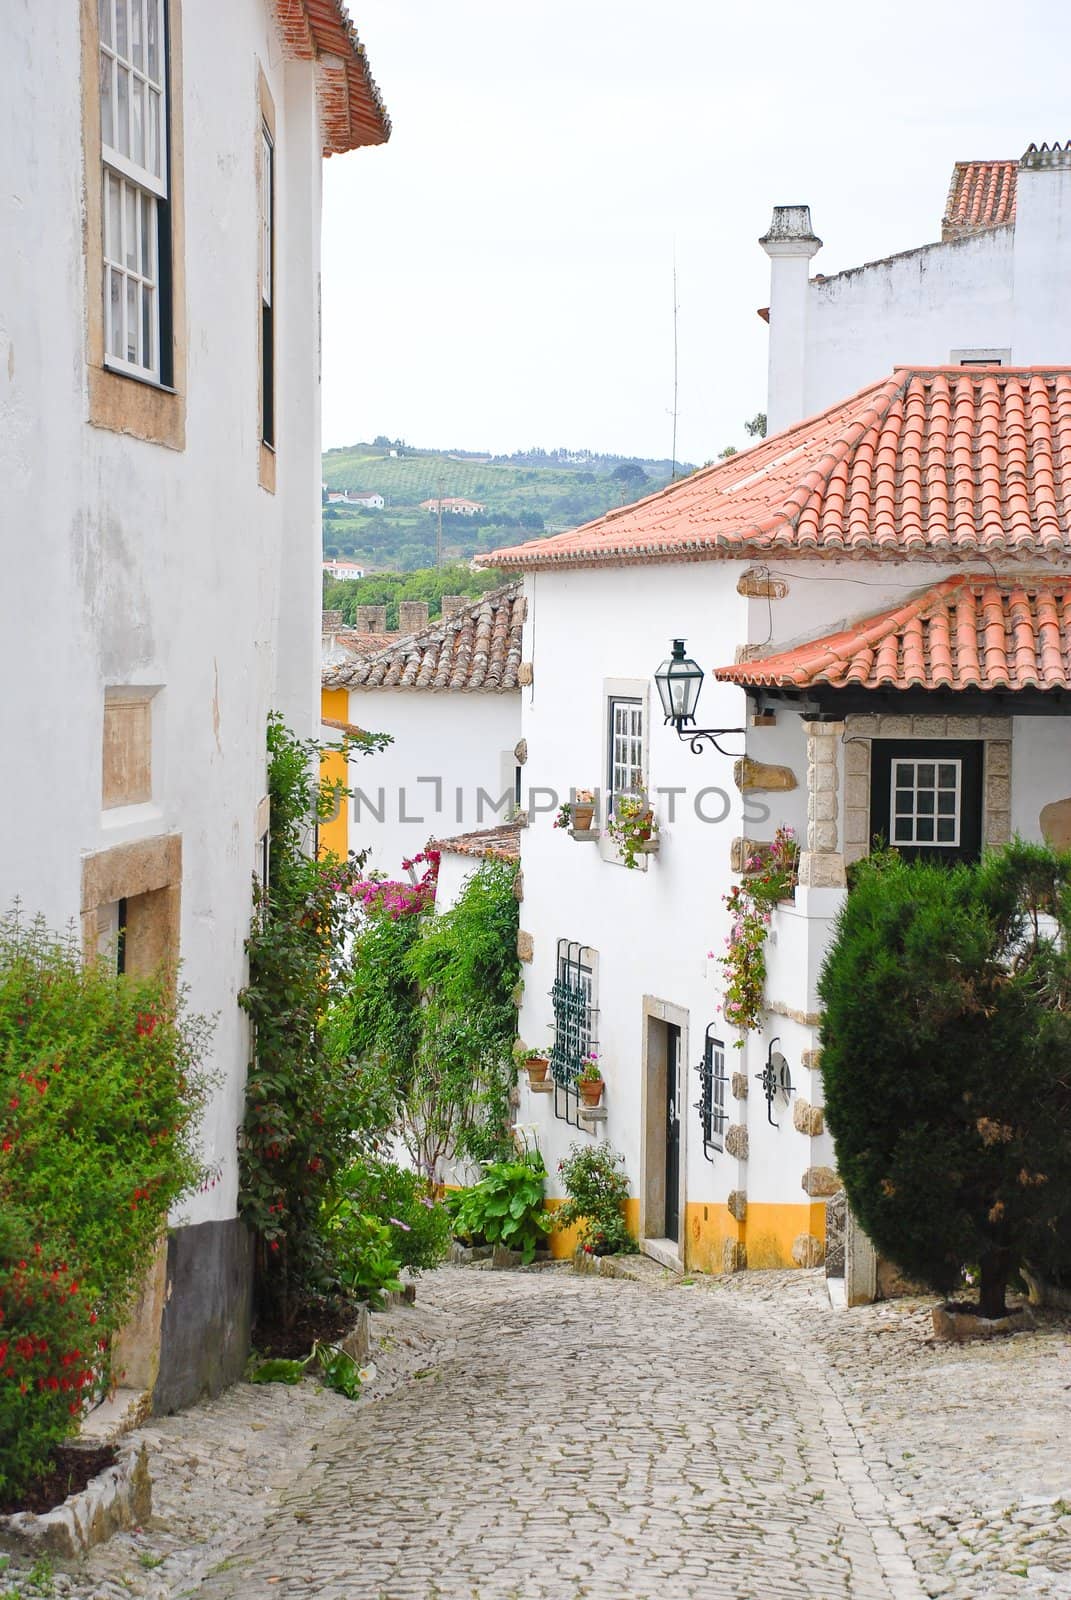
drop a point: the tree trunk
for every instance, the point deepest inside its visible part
(994, 1270)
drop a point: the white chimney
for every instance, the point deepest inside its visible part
(790, 243)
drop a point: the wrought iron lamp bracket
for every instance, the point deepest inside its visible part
(695, 737)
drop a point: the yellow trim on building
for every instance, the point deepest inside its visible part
(335, 834)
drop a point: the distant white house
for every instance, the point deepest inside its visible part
(449, 695)
(369, 500)
(453, 506)
(343, 570)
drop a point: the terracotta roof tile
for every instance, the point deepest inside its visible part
(981, 195)
(479, 648)
(941, 462)
(351, 107)
(502, 843)
(968, 632)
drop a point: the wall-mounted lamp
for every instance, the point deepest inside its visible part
(679, 680)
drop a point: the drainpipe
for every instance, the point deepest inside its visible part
(790, 243)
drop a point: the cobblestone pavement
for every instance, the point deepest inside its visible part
(545, 1436)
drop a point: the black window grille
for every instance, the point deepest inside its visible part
(575, 1024)
(711, 1102)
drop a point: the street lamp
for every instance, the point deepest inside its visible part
(679, 680)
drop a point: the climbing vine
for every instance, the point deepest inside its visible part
(773, 875)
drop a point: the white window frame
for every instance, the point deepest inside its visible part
(633, 734)
(132, 62)
(914, 816)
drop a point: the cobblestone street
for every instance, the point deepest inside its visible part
(572, 1436)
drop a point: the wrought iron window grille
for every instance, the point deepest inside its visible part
(776, 1078)
(575, 1025)
(713, 1116)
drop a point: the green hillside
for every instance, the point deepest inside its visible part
(524, 495)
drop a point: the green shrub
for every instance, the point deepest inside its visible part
(362, 1250)
(945, 1047)
(100, 1094)
(403, 1202)
(505, 1207)
(597, 1191)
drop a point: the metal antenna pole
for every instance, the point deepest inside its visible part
(676, 308)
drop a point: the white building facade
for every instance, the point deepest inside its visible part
(159, 375)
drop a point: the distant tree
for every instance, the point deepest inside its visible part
(730, 450)
(756, 428)
(628, 472)
(381, 441)
(531, 519)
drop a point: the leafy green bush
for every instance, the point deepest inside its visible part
(597, 1190)
(362, 1250)
(403, 1202)
(945, 1043)
(505, 1207)
(100, 1094)
(298, 1129)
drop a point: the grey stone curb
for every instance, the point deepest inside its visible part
(118, 1497)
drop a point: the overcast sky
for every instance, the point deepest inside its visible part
(500, 274)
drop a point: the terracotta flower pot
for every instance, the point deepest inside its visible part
(591, 1090)
(536, 1067)
(583, 815)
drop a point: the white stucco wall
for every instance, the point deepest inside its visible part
(127, 562)
(447, 749)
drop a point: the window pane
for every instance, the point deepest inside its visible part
(122, 111)
(104, 18)
(925, 774)
(946, 830)
(947, 777)
(137, 34)
(148, 229)
(148, 330)
(137, 140)
(152, 158)
(904, 805)
(946, 802)
(901, 830)
(122, 42)
(107, 117)
(131, 320)
(153, 42)
(925, 803)
(113, 238)
(924, 830)
(130, 227)
(116, 312)
(903, 773)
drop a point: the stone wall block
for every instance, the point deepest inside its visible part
(736, 1141)
(808, 1119)
(811, 1060)
(856, 757)
(760, 586)
(737, 1204)
(743, 850)
(821, 1182)
(525, 945)
(807, 1251)
(998, 758)
(762, 776)
(734, 1256)
(739, 1085)
(894, 727)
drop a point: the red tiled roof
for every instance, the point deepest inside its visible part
(351, 107)
(968, 632)
(940, 462)
(981, 195)
(502, 843)
(478, 648)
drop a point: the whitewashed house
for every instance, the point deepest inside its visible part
(160, 460)
(343, 571)
(448, 693)
(880, 597)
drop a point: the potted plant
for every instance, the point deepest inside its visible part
(583, 810)
(633, 828)
(533, 1062)
(590, 1081)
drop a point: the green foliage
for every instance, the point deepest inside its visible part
(100, 1092)
(337, 1370)
(298, 1127)
(597, 1190)
(946, 1041)
(404, 1203)
(750, 904)
(362, 1249)
(631, 826)
(428, 1013)
(390, 588)
(756, 428)
(505, 1207)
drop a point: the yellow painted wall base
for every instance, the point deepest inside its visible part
(564, 1241)
(707, 1228)
(334, 835)
(770, 1231)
